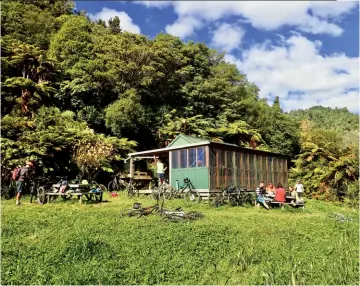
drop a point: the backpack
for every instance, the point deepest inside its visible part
(16, 173)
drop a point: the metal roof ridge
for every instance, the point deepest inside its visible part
(170, 148)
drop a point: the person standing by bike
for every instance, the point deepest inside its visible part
(24, 175)
(160, 171)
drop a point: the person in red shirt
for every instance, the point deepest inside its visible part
(280, 194)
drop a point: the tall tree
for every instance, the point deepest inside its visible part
(114, 25)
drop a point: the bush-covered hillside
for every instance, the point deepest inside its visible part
(70, 85)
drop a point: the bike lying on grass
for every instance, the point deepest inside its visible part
(168, 215)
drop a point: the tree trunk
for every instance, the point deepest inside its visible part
(25, 95)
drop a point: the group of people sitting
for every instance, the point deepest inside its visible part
(278, 193)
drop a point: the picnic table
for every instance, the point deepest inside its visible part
(289, 200)
(79, 190)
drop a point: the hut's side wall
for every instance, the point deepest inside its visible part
(245, 169)
(190, 163)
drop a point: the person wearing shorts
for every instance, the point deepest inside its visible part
(160, 171)
(260, 191)
(23, 177)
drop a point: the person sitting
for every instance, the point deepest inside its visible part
(294, 194)
(280, 194)
(270, 189)
(260, 191)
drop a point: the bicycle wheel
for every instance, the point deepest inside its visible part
(192, 196)
(173, 218)
(41, 195)
(132, 191)
(249, 199)
(233, 201)
(168, 193)
(112, 186)
(155, 193)
(130, 213)
(194, 215)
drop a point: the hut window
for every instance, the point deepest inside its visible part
(175, 160)
(200, 157)
(192, 158)
(183, 158)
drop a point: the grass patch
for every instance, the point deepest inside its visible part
(69, 243)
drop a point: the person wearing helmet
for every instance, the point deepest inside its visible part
(23, 177)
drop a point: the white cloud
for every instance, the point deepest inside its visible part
(126, 23)
(307, 16)
(227, 37)
(184, 27)
(295, 65)
(156, 4)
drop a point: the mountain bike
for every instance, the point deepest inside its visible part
(139, 211)
(117, 184)
(131, 188)
(234, 196)
(187, 191)
(168, 215)
(244, 197)
(164, 191)
(223, 195)
(38, 187)
(179, 215)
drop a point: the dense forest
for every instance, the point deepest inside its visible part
(79, 95)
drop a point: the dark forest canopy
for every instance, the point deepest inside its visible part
(68, 82)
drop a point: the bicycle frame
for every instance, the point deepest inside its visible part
(182, 188)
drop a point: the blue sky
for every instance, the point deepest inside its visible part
(307, 53)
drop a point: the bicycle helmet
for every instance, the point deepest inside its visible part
(186, 180)
(136, 205)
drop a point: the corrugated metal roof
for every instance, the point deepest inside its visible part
(151, 152)
(195, 141)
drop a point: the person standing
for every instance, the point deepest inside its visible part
(23, 177)
(160, 171)
(299, 188)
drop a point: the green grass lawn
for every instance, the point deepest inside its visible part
(69, 243)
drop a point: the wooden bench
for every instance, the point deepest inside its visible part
(90, 196)
(282, 204)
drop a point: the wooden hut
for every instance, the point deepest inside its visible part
(210, 165)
